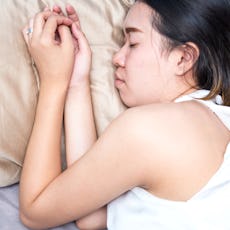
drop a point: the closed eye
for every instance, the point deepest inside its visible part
(132, 45)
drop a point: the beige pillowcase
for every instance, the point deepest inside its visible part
(101, 21)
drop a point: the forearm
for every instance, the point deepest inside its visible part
(42, 163)
(80, 136)
(79, 122)
(95, 220)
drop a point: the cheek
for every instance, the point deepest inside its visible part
(134, 60)
(136, 63)
(142, 67)
(145, 82)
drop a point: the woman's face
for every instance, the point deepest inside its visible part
(144, 72)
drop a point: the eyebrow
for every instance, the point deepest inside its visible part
(128, 30)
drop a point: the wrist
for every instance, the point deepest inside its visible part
(78, 91)
(59, 81)
(82, 84)
(54, 85)
(53, 90)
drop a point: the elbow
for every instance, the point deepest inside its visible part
(31, 224)
(29, 221)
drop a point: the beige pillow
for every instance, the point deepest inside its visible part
(101, 21)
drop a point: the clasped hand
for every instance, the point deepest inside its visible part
(58, 47)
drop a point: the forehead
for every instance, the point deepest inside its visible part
(139, 16)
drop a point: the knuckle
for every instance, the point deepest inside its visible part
(38, 16)
(42, 15)
(52, 17)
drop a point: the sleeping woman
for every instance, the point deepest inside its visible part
(162, 164)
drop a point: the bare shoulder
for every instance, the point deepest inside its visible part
(180, 144)
(165, 118)
(184, 120)
(163, 126)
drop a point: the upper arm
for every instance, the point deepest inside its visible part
(140, 147)
(111, 167)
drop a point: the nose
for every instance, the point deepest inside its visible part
(119, 58)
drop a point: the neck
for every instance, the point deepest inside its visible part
(187, 91)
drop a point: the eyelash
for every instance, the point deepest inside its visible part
(132, 45)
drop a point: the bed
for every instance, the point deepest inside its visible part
(9, 218)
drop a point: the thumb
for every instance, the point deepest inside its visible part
(80, 37)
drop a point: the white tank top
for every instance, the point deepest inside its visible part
(209, 209)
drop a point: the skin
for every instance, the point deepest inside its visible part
(170, 158)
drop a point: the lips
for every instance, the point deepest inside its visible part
(118, 81)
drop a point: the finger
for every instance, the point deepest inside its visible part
(72, 14)
(39, 22)
(25, 34)
(52, 24)
(65, 34)
(27, 31)
(80, 37)
(57, 9)
(30, 29)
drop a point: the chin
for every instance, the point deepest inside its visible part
(130, 103)
(133, 103)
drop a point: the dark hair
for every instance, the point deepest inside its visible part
(207, 24)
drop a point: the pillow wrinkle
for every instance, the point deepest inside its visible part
(128, 3)
(18, 90)
(16, 141)
(8, 171)
(102, 24)
(6, 158)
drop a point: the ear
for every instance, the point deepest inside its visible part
(186, 58)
